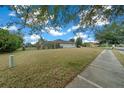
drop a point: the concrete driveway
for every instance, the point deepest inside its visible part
(104, 72)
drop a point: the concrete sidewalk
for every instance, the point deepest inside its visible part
(105, 71)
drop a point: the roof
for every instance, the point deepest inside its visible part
(61, 42)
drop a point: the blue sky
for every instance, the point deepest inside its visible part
(64, 33)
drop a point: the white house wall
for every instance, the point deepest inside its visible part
(67, 45)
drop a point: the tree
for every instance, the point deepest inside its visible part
(42, 17)
(40, 43)
(72, 40)
(9, 42)
(111, 34)
(55, 17)
(79, 42)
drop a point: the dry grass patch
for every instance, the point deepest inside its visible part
(45, 68)
(119, 56)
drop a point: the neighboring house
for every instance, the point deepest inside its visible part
(67, 44)
(59, 44)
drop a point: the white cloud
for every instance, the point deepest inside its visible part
(34, 36)
(100, 22)
(33, 39)
(13, 28)
(36, 13)
(81, 35)
(55, 32)
(85, 37)
(108, 7)
(12, 14)
(69, 30)
(4, 27)
(73, 28)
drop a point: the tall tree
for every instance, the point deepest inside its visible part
(111, 34)
(79, 42)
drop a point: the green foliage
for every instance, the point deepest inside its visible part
(9, 42)
(111, 34)
(40, 15)
(86, 45)
(72, 40)
(56, 16)
(79, 42)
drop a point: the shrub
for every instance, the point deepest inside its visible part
(9, 42)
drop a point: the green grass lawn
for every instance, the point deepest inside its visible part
(119, 56)
(45, 68)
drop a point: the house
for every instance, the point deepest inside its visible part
(67, 44)
(59, 44)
